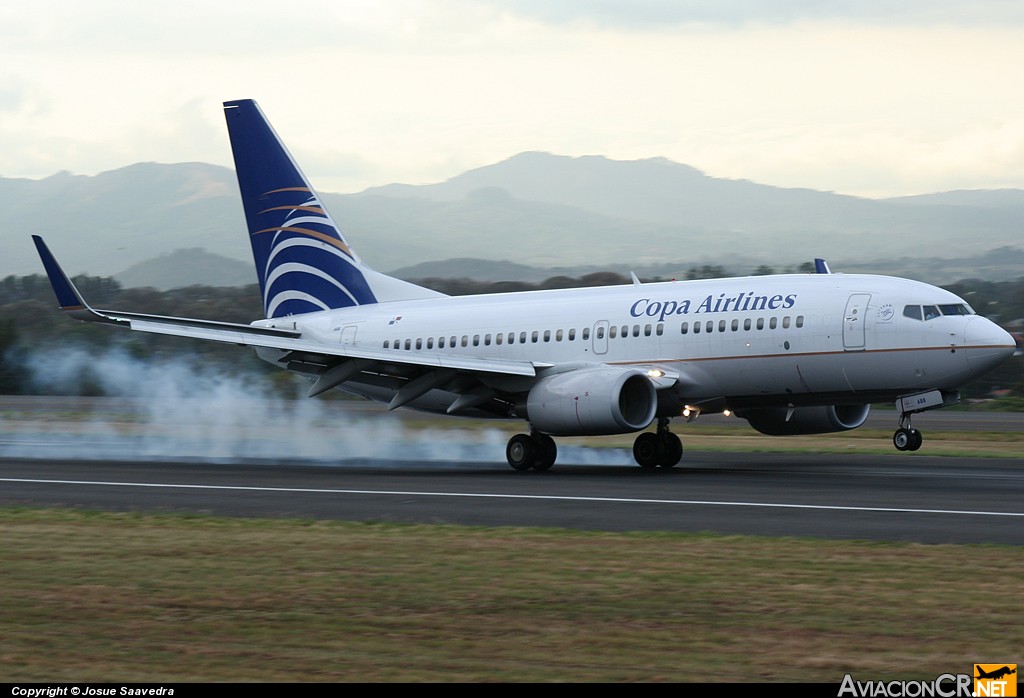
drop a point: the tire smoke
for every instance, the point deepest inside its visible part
(177, 409)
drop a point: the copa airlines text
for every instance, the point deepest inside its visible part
(722, 304)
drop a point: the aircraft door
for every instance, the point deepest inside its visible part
(348, 335)
(853, 321)
(601, 337)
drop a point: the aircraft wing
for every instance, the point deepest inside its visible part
(315, 353)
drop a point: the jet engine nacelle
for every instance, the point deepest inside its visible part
(805, 420)
(589, 401)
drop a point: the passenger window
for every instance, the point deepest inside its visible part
(558, 335)
(760, 323)
(430, 342)
(773, 323)
(572, 334)
(611, 331)
(746, 324)
(451, 342)
(547, 335)
(721, 325)
(387, 343)
(408, 344)
(476, 340)
(586, 333)
(465, 340)
(684, 328)
(799, 320)
(487, 340)
(735, 325)
(440, 342)
(647, 330)
(636, 330)
(535, 336)
(710, 327)
(522, 338)
(497, 338)
(660, 330)
(785, 323)
(696, 328)
(912, 311)
(600, 332)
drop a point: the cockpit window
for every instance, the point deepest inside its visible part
(955, 309)
(912, 311)
(931, 312)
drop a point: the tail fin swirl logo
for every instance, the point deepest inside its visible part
(306, 265)
(302, 260)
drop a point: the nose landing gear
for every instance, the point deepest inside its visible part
(907, 438)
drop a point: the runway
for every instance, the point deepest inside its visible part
(881, 498)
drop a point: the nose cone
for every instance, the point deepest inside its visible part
(987, 344)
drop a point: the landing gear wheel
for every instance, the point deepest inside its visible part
(671, 450)
(648, 450)
(901, 439)
(915, 440)
(547, 452)
(522, 451)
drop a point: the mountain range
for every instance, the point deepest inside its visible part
(549, 211)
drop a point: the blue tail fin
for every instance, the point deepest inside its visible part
(303, 262)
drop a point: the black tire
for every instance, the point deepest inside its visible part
(521, 452)
(547, 452)
(901, 439)
(916, 439)
(672, 450)
(647, 450)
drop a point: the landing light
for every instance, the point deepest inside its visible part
(655, 373)
(727, 413)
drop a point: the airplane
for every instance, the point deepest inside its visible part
(790, 353)
(996, 674)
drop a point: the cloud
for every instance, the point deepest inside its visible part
(662, 15)
(368, 93)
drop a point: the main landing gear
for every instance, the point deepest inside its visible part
(533, 450)
(538, 451)
(907, 438)
(659, 448)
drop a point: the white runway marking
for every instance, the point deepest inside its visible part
(543, 497)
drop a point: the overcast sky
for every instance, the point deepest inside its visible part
(868, 97)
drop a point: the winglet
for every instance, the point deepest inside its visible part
(68, 297)
(821, 266)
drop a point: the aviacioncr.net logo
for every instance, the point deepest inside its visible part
(995, 680)
(943, 686)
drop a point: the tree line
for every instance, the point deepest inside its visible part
(31, 324)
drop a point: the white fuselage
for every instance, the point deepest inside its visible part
(798, 339)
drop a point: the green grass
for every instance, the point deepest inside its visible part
(92, 596)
